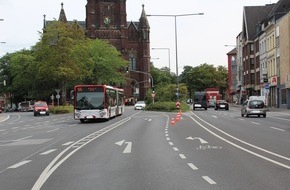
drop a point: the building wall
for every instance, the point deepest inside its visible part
(271, 65)
(107, 19)
(284, 55)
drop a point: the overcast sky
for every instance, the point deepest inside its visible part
(200, 39)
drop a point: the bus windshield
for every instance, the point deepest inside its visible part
(89, 100)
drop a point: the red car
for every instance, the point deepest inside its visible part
(40, 108)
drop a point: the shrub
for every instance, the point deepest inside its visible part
(61, 109)
(166, 107)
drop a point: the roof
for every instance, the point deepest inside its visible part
(252, 16)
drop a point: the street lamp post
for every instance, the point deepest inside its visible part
(176, 54)
(168, 49)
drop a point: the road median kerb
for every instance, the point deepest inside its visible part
(4, 117)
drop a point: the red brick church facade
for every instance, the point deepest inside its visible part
(107, 19)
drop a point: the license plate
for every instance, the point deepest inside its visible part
(197, 105)
(256, 111)
(42, 112)
(222, 106)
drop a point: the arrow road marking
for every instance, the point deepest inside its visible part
(128, 148)
(200, 139)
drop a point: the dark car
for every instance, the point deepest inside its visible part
(253, 107)
(40, 108)
(199, 101)
(221, 104)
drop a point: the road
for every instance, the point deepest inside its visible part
(146, 150)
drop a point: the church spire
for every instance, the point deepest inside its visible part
(143, 19)
(62, 16)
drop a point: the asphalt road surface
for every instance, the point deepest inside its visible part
(144, 150)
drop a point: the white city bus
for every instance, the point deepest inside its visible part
(92, 102)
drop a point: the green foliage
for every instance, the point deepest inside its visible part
(62, 58)
(166, 107)
(61, 109)
(204, 76)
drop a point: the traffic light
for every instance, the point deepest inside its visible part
(153, 89)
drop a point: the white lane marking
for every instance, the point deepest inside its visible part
(198, 138)
(277, 129)
(255, 123)
(182, 156)
(209, 180)
(23, 138)
(241, 119)
(67, 143)
(58, 160)
(149, 119)
(240, 147)
(1, 130)
(192, 166)
(15, 128)
(53, 130)
(166, 135)
(214, 116)
(175, 149)
(128, 148)
(281, 118)
(168, 138)
(171, 143)
(48, 152)
(19, 164)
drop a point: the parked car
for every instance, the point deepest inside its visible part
(40, 108)
(221, 104)
(140, 105)
(253, 107)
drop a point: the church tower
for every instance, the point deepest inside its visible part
(107, 19)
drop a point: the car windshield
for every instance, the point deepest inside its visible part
(40, 104)
(140, 103)
(256, 104)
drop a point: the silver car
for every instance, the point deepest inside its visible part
(140, 105)
(253, 107)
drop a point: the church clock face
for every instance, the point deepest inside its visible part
(107, 20)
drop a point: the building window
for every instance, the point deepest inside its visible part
(252, 48)
(133, 60)
(252, 64)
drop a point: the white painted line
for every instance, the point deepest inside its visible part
(166, 135)
(19, 164)
(68, 143)
(53, 130)
(192, 166)
(175, 149)
(244, 142)
(48, 152)
(209, 180)
(277, 129)
(256, 123)
(214, 116)
(168, 138)
(15, 128)
(182, 156)
(128, 148)
(149, 119)
(171, 143)
(241, 119)
(23, 138)
(1, 130)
